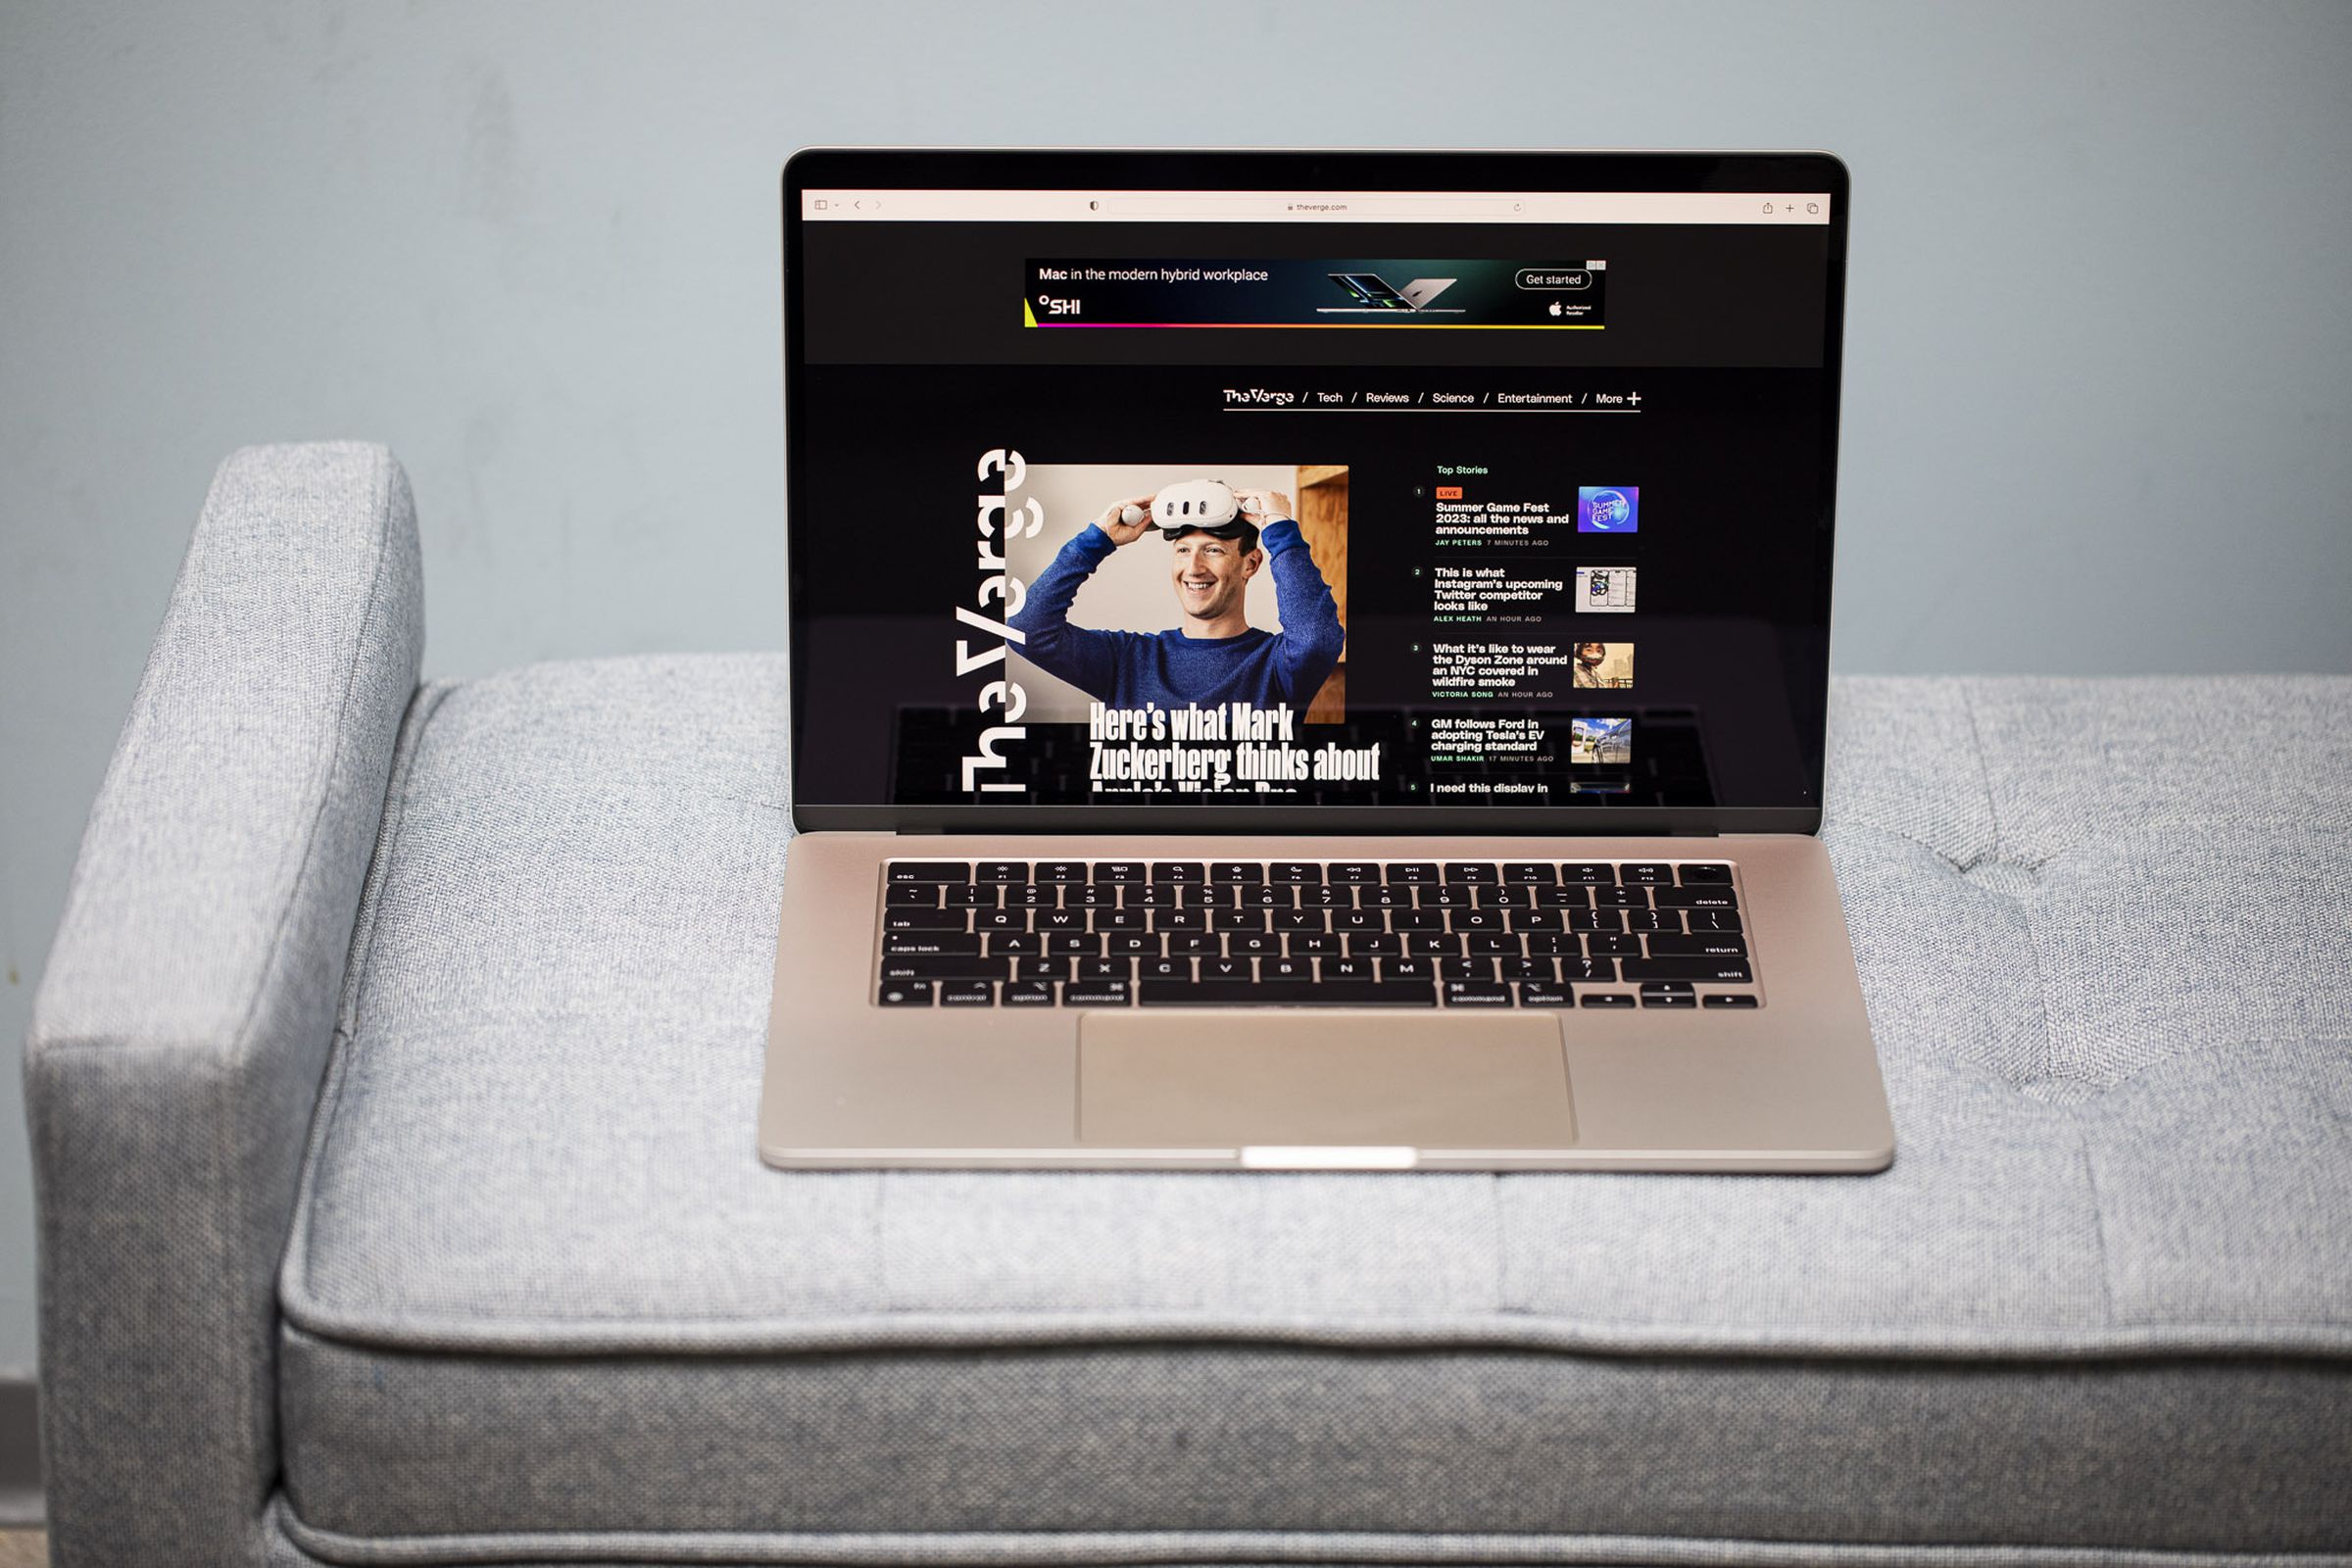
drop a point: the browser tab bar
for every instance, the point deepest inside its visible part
(1779, 209)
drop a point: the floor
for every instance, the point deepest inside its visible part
(23, 1548)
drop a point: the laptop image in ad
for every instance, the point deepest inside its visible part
(1230, 731)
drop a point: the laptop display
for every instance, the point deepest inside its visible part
(1330, 490)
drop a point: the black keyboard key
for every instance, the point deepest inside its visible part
(1701, 944)
(1493, 945)
(1286, 969)
(1119, 872)
(1036, 969)
(1711, 921)
(1668, 999)
(1707, 875)
(1253, 943)
(1132, 944)
(1032, 895)
(1420, 970)
(926, 919)
(1633, 898)
(1574, 896)
(1416, 920)
(968, 994)
(1373, 945)
(1028, 993)
(1325, 896)
(1554, 945)
(1051, 921)
(1073, 945)
(1605, 999)
(1539, 920)
(1235, 874)
(1015, 945)
(1434, 945)
(1236, 920)
(1003, 871)
(921, 944)
(911, 896)
(1184, 873)
(1294, 994)
(998, 919)
(1477, 922)
(1151, 896)
(1472, 873)
(951, 966)
(1295, 874)
(1384, 898)
(1298, 920)
(1729, 999)
(1528, 969)
(1095, 994)
(1165, 969)
(1195, 944)
(1354, 874)
(1595, 919)
(1450, 896)
(904, 994)
(1649, 873)
(1645, 921)
(1720, 970)
(1347, 970)
(1603, 944)
(1090, 969)
(1180, 919)
(1059, 871)
(1590, 873)
(1535, 995)
(1695, 898)
(969, 895)
(928, 871)
(1239, 970)
(1314, 944)
(1589, 971)
(1129, 920)
(1359, 920)
(1477, 993)
(1412, 874)
(1465, 969)
(1509, 895)
(1092, 897)
(1270, 895)
(1530, 873)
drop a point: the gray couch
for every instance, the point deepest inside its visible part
(392, 1089)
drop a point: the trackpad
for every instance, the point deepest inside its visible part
(1184, 1080)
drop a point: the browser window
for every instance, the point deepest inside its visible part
(1319, 498)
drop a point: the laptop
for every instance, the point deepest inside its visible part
(1225, 735)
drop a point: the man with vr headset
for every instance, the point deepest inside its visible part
(1217, 541)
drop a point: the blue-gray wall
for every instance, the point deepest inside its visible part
(2099, 367)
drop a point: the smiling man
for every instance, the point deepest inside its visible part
(1213, 656)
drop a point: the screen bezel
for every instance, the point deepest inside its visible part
(1052, 169)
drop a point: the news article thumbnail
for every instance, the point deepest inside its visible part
(1192, 617)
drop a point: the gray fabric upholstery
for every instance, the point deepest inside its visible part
(538, 1301)
(2112, 1214)
(189, 1001)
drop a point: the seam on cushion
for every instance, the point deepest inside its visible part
(1976, 739)
(2099, 1222)
(424, 708)
(1503, 1245)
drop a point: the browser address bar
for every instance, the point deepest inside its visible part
(1306, 206)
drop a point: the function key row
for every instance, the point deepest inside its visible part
(1315, 873)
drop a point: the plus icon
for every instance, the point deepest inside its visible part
(1634, 400)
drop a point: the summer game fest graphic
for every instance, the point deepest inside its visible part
(1341, 292)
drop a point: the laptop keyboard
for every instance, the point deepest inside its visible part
(1312, 933)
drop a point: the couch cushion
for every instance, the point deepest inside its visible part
(2105, 934)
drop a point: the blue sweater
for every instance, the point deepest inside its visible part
(1131, 669)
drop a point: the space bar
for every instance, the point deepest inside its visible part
(1285, 994)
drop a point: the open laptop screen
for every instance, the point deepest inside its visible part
(1437, 489)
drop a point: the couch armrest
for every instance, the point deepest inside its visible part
(188, 1009)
